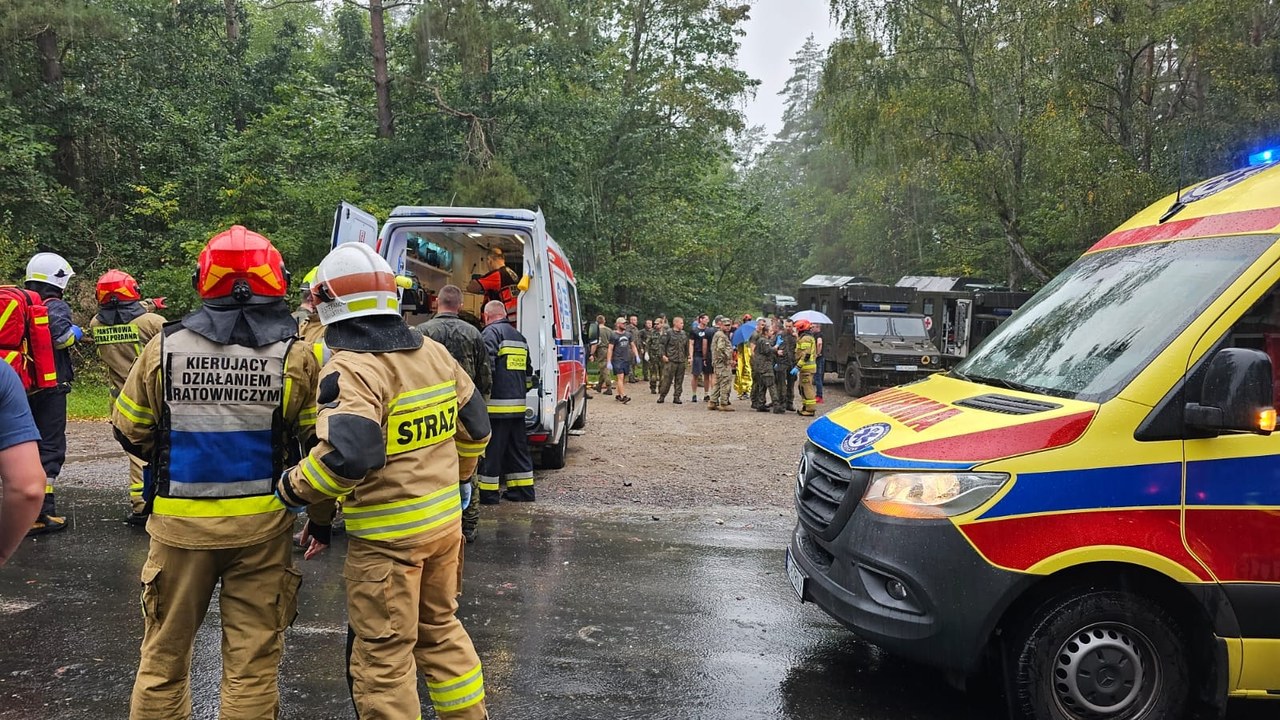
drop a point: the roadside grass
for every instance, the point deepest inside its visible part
(89, 400)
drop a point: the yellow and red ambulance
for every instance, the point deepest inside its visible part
(1090, 502)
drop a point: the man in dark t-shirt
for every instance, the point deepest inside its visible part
(700, 356)
(623, 352)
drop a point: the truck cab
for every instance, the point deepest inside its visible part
(876, 340)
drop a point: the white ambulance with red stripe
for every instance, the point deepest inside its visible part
(446, 246)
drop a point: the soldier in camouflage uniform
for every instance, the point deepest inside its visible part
(785, 381)
(651, 346)
(463, 341)
(633, 327)
(674, 353)
(600, 351)
(764, 388)
(722, 361)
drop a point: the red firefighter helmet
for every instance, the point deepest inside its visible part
(240, 263)
(117, 285)
(803, 325)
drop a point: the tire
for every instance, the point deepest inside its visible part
(1099, 655)
(581, 421)
(853, 383)
(553, 455)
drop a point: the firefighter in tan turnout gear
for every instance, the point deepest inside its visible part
(400, 428)
(212, 404)
(123, 326)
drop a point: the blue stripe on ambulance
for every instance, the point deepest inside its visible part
(1151, 485)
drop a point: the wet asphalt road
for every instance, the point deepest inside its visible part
(613, 619)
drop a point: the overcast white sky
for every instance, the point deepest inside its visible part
(775, 31)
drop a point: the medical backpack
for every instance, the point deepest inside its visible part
(25, 341)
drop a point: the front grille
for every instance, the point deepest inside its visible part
(1007, 404)
(828, 482)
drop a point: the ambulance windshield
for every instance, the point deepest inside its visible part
(1100, 322)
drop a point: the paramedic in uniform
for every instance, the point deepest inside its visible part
(211, 404)
(399, 431)
(507, 459)
(122, 327)
(500, 283)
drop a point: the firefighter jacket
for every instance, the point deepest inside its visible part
(807, 353)
(397, 432)
(763, 353)
(509, 357)
(721, 350)
(215, 422)
(675, 345)
(464, 343)
(119, 344)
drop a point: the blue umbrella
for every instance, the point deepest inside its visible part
(744, 333)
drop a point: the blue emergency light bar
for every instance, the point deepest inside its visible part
(882, 307)
(1264, 157)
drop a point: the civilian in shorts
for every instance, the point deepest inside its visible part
(623, 353)
(700, 356)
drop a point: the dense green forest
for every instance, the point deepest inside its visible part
(936, 136)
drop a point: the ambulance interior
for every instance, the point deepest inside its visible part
(450, 255)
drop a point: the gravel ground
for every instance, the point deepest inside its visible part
(640, 459)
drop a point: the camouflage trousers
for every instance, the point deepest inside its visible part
(653, 371)
(672, 380)
(764, 390)
(722, 393)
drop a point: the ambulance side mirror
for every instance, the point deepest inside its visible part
(1236, 395)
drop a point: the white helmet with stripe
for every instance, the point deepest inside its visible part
(49, 268)
(354, 281)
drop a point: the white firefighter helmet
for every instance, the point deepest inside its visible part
(49, 268)
(354, 281)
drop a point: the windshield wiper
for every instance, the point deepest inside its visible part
(1001, 382)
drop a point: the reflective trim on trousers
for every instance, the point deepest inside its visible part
(454, 695)
(519, 479)
(487, 482)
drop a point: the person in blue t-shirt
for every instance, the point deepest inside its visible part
(700, 356)
(21, 474)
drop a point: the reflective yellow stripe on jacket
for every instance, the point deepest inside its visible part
(222, 507)
(422, 417)
(404, 518)
(319, 478)
(506, 407)
(138, 415)
(469, 449)
(462, 692)
(807, 346)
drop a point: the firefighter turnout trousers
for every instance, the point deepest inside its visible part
(401, 605)
(257, 601)
(506, 460)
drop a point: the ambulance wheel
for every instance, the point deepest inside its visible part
(1099, 655)
(553, 455)
(853, 379)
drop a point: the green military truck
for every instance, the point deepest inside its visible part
(960, 312)
(876, 340)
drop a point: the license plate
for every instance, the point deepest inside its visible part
(905, 368)
(796, 576)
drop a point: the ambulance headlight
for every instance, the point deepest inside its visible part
(930, 494)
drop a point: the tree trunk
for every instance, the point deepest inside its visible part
(66, 161)
(231, 9)
(381, 80)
